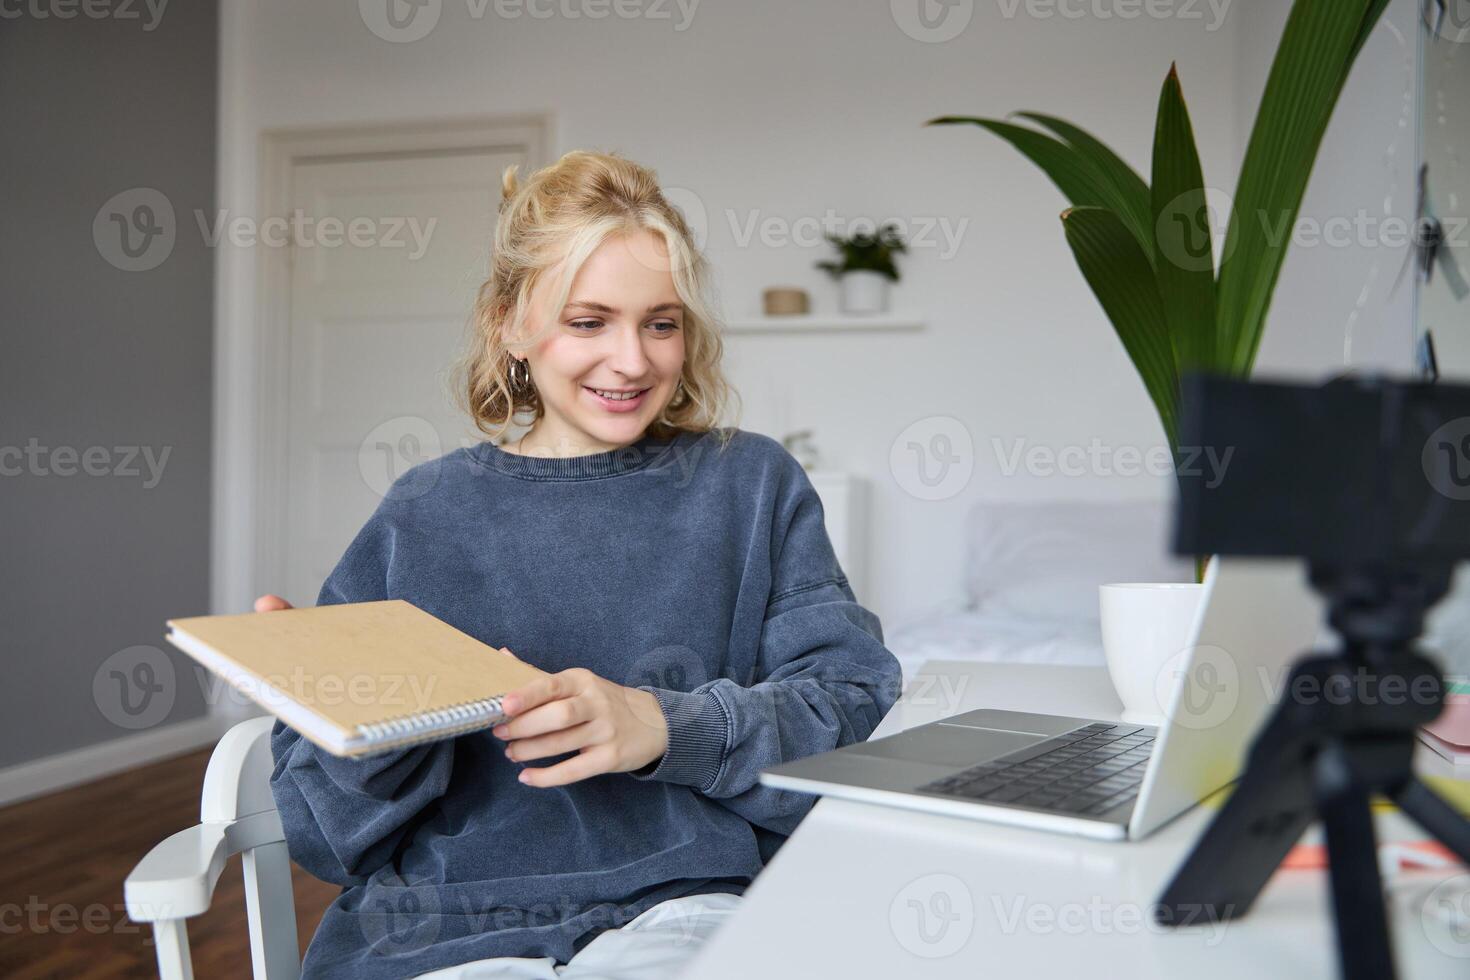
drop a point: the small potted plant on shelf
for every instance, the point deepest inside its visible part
(866, 268)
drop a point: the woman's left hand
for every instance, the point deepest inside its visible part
(611, 727)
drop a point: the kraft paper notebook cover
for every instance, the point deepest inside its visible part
(357, 678)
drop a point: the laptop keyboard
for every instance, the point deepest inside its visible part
(1086, 772)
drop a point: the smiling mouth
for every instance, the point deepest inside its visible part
(612, 400)
(617, 394)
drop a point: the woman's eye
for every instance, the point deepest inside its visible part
(662, 326)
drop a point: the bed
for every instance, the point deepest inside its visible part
(1031, 575)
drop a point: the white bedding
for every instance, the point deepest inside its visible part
(1032, 569)
(997, 636)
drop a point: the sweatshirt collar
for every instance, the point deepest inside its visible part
(614, 462)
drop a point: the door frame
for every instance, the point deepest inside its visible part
(250, 452)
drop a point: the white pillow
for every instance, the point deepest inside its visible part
(1046, 559)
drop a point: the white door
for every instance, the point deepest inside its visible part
(377, 320)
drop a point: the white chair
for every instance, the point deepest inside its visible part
(237, 816)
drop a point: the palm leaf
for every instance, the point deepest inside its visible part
(1318, 47)
(1077, 173)
(1118, 270)
(1128, 196)
(1184, 260)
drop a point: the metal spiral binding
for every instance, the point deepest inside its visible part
(432, 724)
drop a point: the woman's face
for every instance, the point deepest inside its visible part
(621, 333)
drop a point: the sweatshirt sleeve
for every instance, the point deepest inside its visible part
(344, 818)
(824, 679)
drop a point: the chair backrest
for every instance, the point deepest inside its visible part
(237, 787)
(237, 782)
(176, 879)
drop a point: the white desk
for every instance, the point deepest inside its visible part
(867, 891)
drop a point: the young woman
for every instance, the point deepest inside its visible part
(672, 575)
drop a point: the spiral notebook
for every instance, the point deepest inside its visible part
(357, 678)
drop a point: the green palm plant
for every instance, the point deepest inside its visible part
(1138, 245)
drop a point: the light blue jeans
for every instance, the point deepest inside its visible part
(656, 945)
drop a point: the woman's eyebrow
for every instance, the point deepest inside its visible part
(610, 311)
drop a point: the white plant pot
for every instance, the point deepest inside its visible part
(864, 292)
(1144, 625)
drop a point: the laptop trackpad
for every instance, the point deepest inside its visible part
(947, 745)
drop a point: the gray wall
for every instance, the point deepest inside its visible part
(97, 363)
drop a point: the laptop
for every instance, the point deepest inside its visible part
(1094, 777)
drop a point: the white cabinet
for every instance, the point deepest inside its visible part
(845, 506)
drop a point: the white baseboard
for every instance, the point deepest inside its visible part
(55, 772)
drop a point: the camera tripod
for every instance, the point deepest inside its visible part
(1344, 730)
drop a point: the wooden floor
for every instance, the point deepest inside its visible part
(63, 859)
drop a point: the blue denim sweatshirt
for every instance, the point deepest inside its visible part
(697, 571)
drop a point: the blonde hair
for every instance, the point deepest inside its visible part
(561, 215)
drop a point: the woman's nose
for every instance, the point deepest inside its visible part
(628, 357)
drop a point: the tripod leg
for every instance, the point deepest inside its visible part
(1357, 892)
(1432, 813)
(1264, 816)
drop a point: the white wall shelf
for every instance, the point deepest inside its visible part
(826, 323)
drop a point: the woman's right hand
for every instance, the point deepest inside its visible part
(271, 603)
